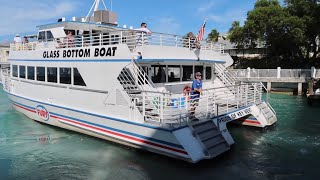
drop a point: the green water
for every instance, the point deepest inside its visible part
(288, 150)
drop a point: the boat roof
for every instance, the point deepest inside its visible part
(79, 25)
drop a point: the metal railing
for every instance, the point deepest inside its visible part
(132, 38)
(272, 73)
(178, 109)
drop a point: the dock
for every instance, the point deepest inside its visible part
(299, 77)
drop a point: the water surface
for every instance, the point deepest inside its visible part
(288, 150)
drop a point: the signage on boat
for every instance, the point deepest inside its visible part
(42, 113)
(80, 53)
(235, 115)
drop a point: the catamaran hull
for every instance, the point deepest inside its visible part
(133, 135)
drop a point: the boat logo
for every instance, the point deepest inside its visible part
(42, 113)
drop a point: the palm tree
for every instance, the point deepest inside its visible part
(213, 36)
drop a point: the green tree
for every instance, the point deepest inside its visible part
(213, 36)
(291, 30)
(236, 35)
(309, 12)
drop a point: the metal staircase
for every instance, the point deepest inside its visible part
(134, 79)
(211, 138)
(268, 112)
(228, 78)
(139, 87)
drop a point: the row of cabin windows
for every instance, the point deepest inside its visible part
(39, 74)
(178, 73)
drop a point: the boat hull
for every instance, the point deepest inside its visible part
(153, 139)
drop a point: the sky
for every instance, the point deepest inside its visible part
(166, 16)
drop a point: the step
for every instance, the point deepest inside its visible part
(219, 149)
(209, 134)
(204, 128)
(213, 141)
(268, 117)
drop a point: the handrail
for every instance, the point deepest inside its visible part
(133, 38)
(175, 108)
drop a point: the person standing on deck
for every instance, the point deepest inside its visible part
(141, 36)
(17, 41)
(196, 91)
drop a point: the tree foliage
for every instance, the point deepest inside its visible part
(213, 36)
(290, 30)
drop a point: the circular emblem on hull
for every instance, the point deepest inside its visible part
(42, 113)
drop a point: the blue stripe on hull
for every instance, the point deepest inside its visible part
(107, 128)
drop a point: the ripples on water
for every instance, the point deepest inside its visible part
(288, 150)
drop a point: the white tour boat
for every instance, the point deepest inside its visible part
(97, 83)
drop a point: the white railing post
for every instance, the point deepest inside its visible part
(100, 37)
(248, 72)
(278, 72)
(82, 43)
(247, 88)
(176, 41)
(220, 48)
(313, 72)
(254, 93)
(134, 109)
(161, 108)
(143, 105)
(121, 37)
(189, 43)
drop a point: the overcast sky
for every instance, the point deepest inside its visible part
(167, 16)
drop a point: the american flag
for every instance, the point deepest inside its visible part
(201, 31)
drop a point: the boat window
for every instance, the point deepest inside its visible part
(30, 72)
(49, 36)
(41, 71)
(22, 72)
(14, 70)
(42, 36)
(199, 69)
(158, 74)
(52, 74)
(65, 75)
(187, 73)
(208, 72)
(173, 73)
(77, 78)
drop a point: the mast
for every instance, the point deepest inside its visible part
(97, 2)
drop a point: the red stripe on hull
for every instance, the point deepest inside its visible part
(124, 136)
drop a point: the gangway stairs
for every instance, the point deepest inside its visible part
(211, 138)
(137, 84)
(229, 79)
(268, 112)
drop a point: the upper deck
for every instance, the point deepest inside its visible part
(153, 46)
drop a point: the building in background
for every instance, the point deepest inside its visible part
(231, 49)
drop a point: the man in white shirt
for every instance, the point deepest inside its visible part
(142, 34)
(17, 40)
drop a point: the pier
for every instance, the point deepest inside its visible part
(269, 76)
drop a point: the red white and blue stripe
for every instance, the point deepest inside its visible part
(112, 132)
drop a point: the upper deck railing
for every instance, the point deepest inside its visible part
(132, 38)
